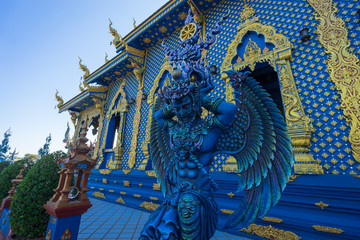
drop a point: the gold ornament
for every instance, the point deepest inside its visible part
(149, 206)
(188, 31)
(270, 232)
(321, 205)
(328, 229)
(343, 66)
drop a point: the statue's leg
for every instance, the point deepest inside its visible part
(197, 215)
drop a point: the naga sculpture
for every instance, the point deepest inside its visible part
(182, 145)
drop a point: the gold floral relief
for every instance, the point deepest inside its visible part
(343, 66)
(299, 124)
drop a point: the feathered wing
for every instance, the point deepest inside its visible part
(263, 152)
(161, 153)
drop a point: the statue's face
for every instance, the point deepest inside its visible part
(184, 109)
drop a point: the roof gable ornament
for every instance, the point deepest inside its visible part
(247, 16)
(84, 69)
(59, 99)
(114, 33)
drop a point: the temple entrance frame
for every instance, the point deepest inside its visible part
(299, 124)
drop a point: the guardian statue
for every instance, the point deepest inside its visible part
(183, 144)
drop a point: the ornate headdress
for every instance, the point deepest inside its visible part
(190, 73)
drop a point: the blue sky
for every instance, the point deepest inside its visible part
(40, 42)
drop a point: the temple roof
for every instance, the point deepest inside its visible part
(131, 49)
(161, 24)
(86, 99)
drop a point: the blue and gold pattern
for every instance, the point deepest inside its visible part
(330, 145)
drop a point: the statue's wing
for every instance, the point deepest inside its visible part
(259, 141)
(161, 152)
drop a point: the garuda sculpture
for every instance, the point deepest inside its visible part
(183, 145)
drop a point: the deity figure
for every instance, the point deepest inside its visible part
(182, 145)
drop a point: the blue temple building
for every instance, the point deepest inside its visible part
(305, 53)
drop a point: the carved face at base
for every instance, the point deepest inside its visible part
(184, 109)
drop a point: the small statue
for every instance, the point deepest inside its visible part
(45, 150)
(252, 131)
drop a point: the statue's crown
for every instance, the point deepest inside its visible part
(190, 69)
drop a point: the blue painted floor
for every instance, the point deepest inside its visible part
(110, 221)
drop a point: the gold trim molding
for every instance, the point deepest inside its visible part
(299, 124)
(270, 232)
(343, 66)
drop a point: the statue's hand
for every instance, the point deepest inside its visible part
(237, 77)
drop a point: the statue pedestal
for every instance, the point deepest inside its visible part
(64, 222)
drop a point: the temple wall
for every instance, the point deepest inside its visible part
(330, 147)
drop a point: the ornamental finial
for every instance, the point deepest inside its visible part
(59, 99)
(114, 33)
(84, 68)
(134, 23)
(106, 60)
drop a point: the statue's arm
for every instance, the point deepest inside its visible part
(224, 112)
(164, 116)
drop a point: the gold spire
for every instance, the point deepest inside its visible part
(59, 99)
(114, 33)
(134, 22)
(84, 68)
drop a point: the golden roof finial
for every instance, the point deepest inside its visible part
(106, 60)
(59, 99)
(114, 33)
(84, 68)
(134, 22)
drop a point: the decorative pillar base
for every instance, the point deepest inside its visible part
(304, 161)
(65, 228)
(305, 164)
(5, 204)
(4, 223)
(64, 221)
